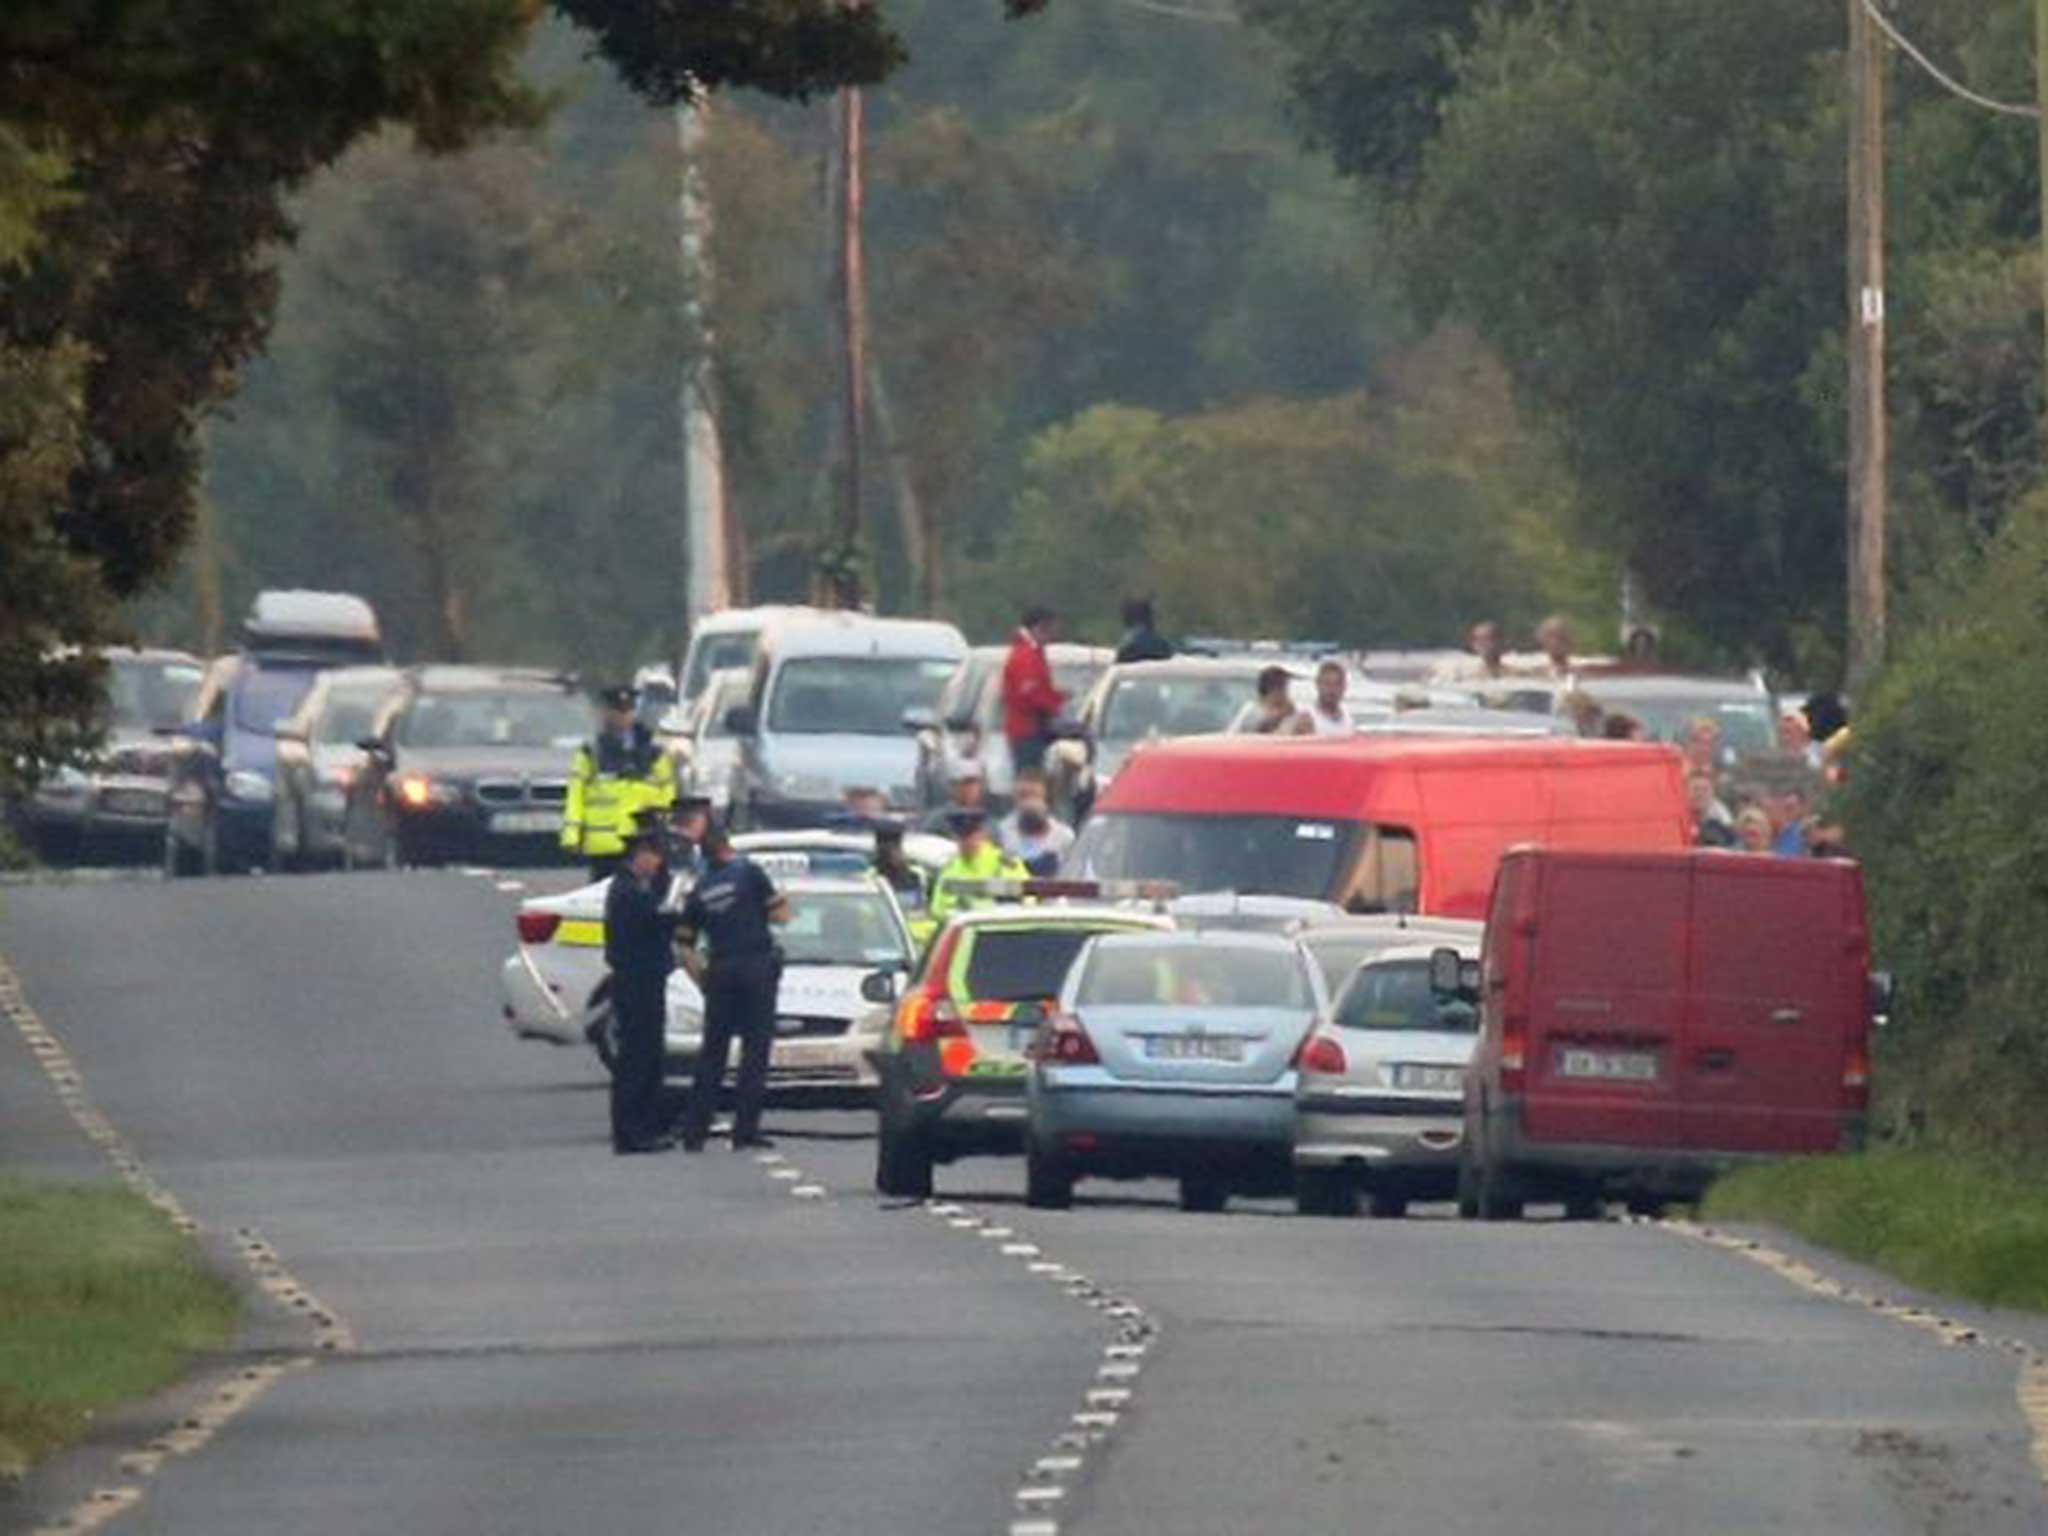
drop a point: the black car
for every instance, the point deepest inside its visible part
(467, 763)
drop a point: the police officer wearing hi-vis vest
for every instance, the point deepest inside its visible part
(614, 777)
(734, 906)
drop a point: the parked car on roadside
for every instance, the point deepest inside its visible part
(1172, 1055)
(1379, 1108)
(1649, 1020)
(467, 763)
(319, 756)
(118, 799)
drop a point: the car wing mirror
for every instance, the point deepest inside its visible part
(1446, 971)
(376, 746)
(878, 987)
(740, 720)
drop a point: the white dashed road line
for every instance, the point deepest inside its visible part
(234, 1390)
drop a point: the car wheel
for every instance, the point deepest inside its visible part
(1584, 1205)
(1202, 1193)
(1048, 1180)
(1647, 1206)
(1468, 1189)
(1325, 1192)
(1388, 1204)
(209, 848)
(903, 1164)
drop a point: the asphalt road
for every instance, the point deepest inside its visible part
(551, 1339)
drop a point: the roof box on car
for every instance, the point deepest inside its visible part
(318, 625)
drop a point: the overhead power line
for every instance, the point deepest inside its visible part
(1181, 12)
(1953, 85)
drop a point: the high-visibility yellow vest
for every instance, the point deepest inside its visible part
(990, 864)
(610, 784)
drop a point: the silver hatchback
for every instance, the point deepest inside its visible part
(1171, 1054)
(1379, 1100)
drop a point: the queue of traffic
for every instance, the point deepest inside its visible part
(1370, 969)
(1449, 941)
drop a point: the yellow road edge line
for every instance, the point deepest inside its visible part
(2030, 1385)
(228, 1394)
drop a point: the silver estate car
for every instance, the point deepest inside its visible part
(1380, 1096)
(1172, 1054)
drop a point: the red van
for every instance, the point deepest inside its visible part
(1375, 823)
(1647, 1020)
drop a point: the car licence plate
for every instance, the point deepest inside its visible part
(1608, 1066)
(1194, 1048)
(133, 802)
(515, 822)
(1418, 1078)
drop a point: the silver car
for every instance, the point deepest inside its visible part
(1172, 1054)
(120, 795)
(1343, 944)
(1379, 1103)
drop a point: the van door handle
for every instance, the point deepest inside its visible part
(1787, 1015)
(1716, 1061)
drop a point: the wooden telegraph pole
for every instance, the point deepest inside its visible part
(843, 582)
(2041, 94)
(1868, 451)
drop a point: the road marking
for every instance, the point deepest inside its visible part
(2031, 1387)
(232, 1392)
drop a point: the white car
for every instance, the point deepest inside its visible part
(555, 984)
(1380, 1096)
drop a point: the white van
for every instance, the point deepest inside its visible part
(720, 642)
(824, 714)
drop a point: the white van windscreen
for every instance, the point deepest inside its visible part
(853, 695)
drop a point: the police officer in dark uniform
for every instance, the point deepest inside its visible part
(639, 946)
(683, 848)
(894, 867)
(733, 906)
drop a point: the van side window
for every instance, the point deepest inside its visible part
(1385, 878)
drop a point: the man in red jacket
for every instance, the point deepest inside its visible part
(1030, 702)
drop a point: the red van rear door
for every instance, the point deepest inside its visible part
(1608, 1003)
(1778, 994)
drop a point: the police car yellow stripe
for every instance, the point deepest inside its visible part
(581, 933)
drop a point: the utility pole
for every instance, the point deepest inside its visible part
(1868, 452)
(709, 586)
(842, 580)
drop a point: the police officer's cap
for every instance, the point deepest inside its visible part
(616, 697)
(888, 830)
(966, 819)
(691, 805)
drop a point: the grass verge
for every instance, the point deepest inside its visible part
(101, 1299)
(1937, 1221)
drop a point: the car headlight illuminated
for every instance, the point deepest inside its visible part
(416, 792)
(242, 784)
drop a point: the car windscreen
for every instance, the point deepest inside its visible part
(853, 695)
(1022, 964)
(1194, 975)
(841, 928)
(715, 653)
(1397, 994)
(351, 715)
(146, 695)
(1746, 722)
(265, 697)
(1266, 855)
(513, 718)
(1140, 707)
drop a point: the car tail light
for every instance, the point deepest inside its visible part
(929, 1013)
(1066, 1041)
(1856, 1076)
(1514, 1051)
(1319, 1053)
(537, 927)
